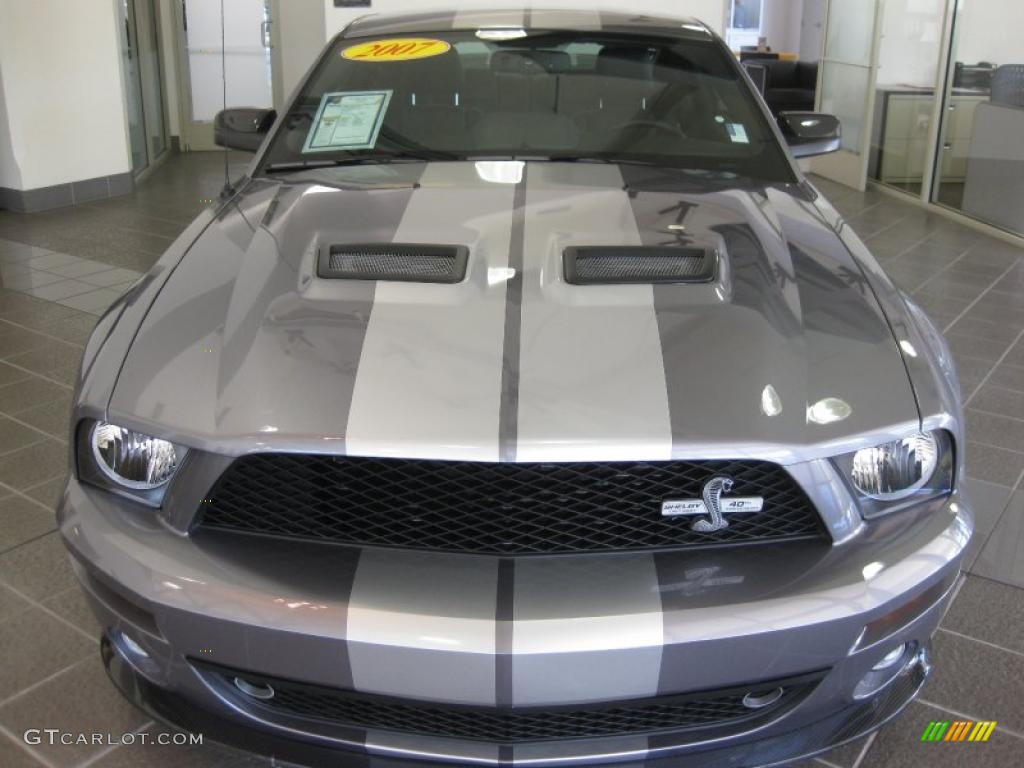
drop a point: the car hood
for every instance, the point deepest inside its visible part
(246, 348)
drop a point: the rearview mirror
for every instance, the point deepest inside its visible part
(242, 128)
(810, 133)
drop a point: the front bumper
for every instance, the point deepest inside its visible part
(494, 633)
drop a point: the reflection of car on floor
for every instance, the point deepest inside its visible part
(525, 405)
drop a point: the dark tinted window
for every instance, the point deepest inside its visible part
(674, 102)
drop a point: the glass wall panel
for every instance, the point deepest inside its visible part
(980, 170)
(905, 91)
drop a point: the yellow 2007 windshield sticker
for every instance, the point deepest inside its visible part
(396, 49)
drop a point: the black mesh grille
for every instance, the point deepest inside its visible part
(623, 264)
(502, 509)
(395, 261)
(692, 711)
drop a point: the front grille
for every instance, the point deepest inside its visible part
(500, 509)
(707, 709)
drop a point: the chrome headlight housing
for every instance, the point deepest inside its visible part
(895, 474)
(126, 462)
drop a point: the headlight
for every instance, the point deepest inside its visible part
(895, 470)
(888, 476)
(125, 461)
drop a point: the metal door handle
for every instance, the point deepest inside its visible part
(265, 33)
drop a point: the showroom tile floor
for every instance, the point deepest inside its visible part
(59, 269)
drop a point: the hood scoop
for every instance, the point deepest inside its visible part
(610, 264)
(401, 262)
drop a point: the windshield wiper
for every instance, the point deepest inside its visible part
(379, 159)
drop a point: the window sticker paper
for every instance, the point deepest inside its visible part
(398, 49)
(737, 133)
(347, 120)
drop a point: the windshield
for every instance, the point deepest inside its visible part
(557, 95)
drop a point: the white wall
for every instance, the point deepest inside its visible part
(991, 30)
(780, 23)
(712, 12)
(10, 174)
(301, 26)
(63, 91)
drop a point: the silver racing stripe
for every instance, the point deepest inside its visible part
(586, 629)
(430, 373)
(591, 377)
(421, 625)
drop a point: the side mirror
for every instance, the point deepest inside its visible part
(810, 133)
(242, 128)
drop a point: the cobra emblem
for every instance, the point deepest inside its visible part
(712, 495)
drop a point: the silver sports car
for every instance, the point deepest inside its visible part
(523, 405)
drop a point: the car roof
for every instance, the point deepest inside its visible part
(538, 18)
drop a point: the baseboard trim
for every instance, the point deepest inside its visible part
(63, 195)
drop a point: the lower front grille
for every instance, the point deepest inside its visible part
(499, 509)
(706, 710)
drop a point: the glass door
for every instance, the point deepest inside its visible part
(847, 84)
(140, 53)
(229, 64)
(980, 166)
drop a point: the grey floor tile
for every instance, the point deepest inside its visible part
(971, 346)
(1016, 353)
(95, 707)
(11, 375)
(982, 682)
(209, 755)
(17, 252)
(53, 417)
(72, 606)
(989, 611)
(96, 301)
(34, 464)
(14, 755)
(14, 436)
(995, 430)
(1008, 376)
(1002, 557)
(29, 393)
(38, 569)
(74, 329)
(988, 502)
(995, 399)
(899, 745)
(22, 520)
(39, 314)
(111, 277)
(49, 260)
(80, 269)
(29, 280)
(42, 645)
(11, 603)
(54, 356)
(14, 340)
(49, 493)
(996, 465)
(62, 289)
(846, 755)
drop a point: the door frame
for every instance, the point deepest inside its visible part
(843, 166)
(198, 136)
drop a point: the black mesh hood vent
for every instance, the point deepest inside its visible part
(602, 265)
(405, 262)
